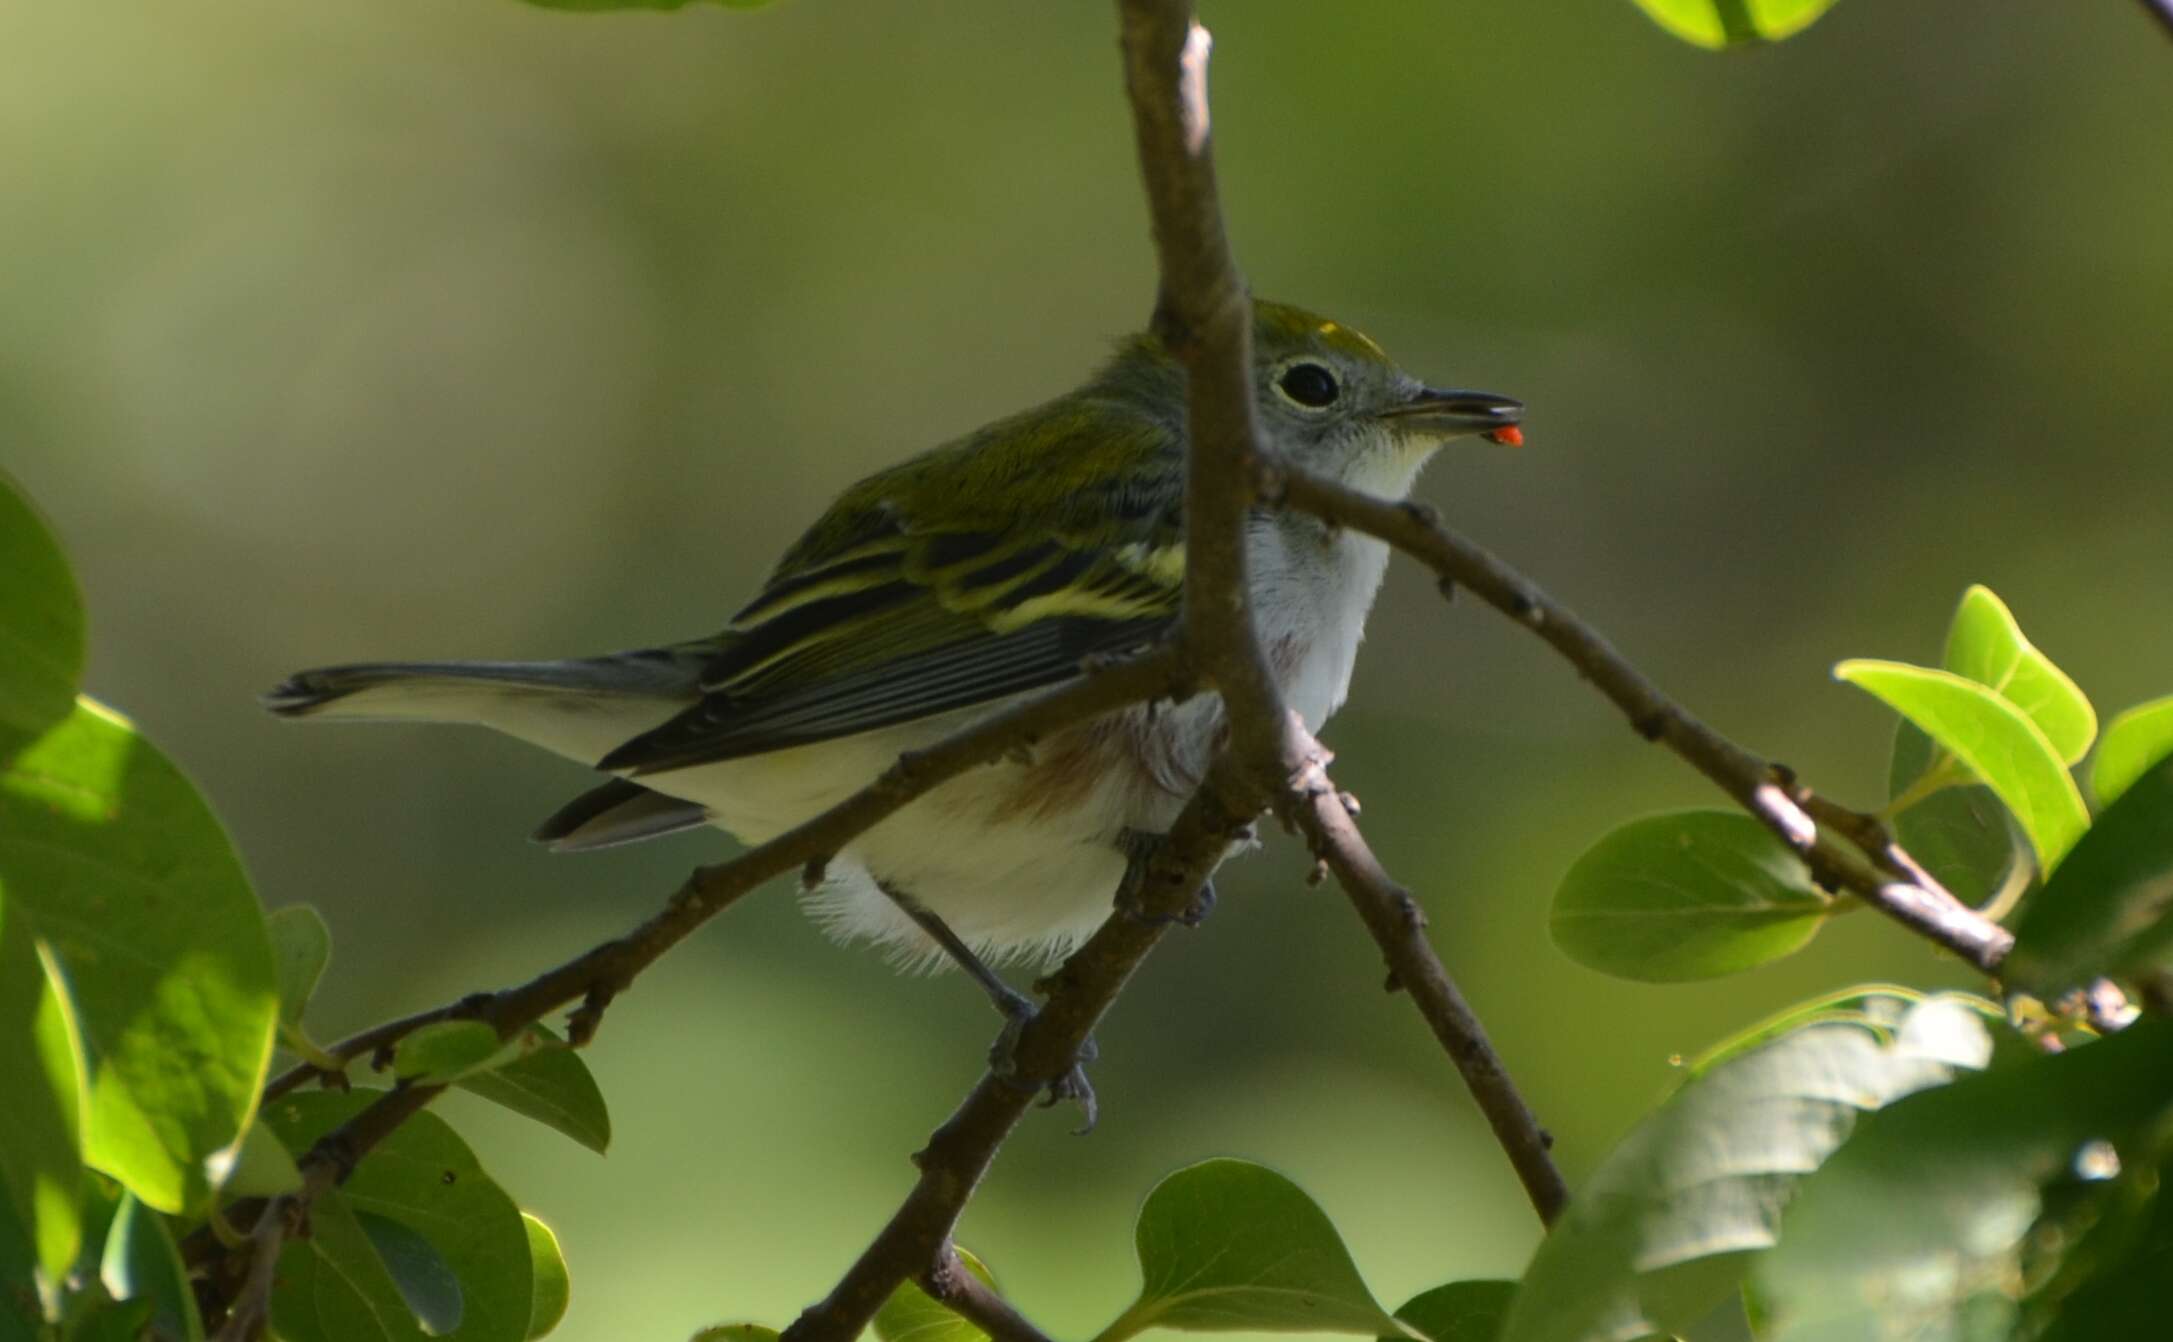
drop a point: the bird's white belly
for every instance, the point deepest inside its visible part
(1014, 867)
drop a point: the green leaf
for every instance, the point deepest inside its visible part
(333, 1287)
(447, 1050)
(1658, 1234)
(1229, 1245)
(425, 1280)
(2132, 743)
(130, 883)
(41, 623)
(1923, 1219)
(425, 1177)
(1727, 23)
(1877, 1007)
(262, 1167)
(1960, 832)
(301, 945)
(140, 1261)
(1686, 895)
(912, 1315)
(1462, 1311)
(549, 1083)
(1986, 645)
(1994, 738)
(554, 1285)
(42, 1077)
(2108, 910)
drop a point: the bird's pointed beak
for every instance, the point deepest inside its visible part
(1454, 414)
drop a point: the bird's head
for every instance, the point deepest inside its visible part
(1331, 400)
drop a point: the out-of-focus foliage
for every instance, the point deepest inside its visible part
(1727, 23)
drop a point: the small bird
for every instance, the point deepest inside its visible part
(941, 589)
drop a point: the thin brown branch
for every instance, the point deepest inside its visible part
(959, 1152)
(1887, 880)
(1398, 925)
(1203, 315)
(953, 1285)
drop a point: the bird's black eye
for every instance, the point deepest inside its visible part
(1310, 385)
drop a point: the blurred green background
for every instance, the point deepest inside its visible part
(457, 328)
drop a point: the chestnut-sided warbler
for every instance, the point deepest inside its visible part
(940, 589)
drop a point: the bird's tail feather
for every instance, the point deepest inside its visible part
(579, 708)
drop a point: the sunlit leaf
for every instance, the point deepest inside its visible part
(1994, 738)
(425, 1177)
(1228, 1245)
(445, 1051)
(301, 946)
(1462, 1311)
(554, 1286)
(41, 624)
(548, 1082)
(911, 1315)
(1917, 1226)
(1658, 1235)
(1986, 645)
(2132, 743)
(42, 1080)
(1725, 23)
(1962, 834)
(1877, 1007)
(130, 883)
(2108, 910)
(1686, 895)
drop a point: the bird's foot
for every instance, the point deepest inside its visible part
(1071, 1086)
(1139, 848)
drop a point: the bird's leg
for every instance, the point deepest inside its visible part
(1014, 1006)
(1138, 847)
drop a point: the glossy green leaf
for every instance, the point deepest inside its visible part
(554, 1285)
(736, 1332)
(1986, 645)
(2132, 743)
(425, 1279)
(130, 883)
(1727, 23)
(1924, 1216)
(2108, 910)
(1462, 1311)
(1877, 1007)
(140, 1261)
(1658, 1235)
(41, 624)
(261, 1167)
(445, 1051)
(1991, 736)
(1686, 895)
(912, 1315)
(42, 1080)
(301, 946)
(1961, 833)
(425, 1177)
(1227, 1245)
(333, 1287)
(549, 1083)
